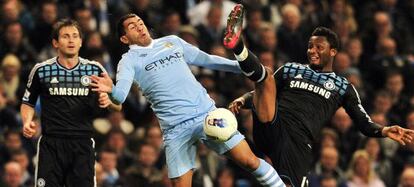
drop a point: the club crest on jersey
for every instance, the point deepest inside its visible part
(329, 85)
(41, 182)
(85, 80)
(168, 45)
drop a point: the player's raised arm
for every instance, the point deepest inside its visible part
(195, 56)
(356, 111)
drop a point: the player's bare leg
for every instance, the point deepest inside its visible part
(243, 156)
(264, 172)
(264, 98)
(184, 180)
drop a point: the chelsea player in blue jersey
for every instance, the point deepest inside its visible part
(291, 107)
(160, 68)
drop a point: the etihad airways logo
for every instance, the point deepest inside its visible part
(165, 61)
(69, 91)
(310, 87)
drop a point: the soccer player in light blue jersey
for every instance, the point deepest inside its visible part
(160, 68)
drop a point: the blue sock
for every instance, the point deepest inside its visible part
(267, 175)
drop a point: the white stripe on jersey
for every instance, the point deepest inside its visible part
(361, 108)
(37, 161)
(86, 61)
(278, 69)
(37, 66)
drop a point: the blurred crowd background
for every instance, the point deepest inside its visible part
(377, 56)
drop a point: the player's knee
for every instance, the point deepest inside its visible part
(251, 162)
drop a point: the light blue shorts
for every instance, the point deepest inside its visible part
(181, 141)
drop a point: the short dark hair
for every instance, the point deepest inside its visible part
(330, 35)
(65, 23)
(120, 25)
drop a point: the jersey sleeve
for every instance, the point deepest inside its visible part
(195, 56)
(124, 79)
(353, 106)
(33, 88)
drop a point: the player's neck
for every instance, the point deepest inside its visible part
(327, 69)
(68, 62)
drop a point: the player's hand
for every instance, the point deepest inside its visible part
(236, 105)
(29, 129)
(104, 100)
(398, 134)
(101, 84)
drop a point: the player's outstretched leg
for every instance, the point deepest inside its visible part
(249, 63)
(264, 172)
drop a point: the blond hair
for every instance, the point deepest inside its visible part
(10, 60)
(352, 165)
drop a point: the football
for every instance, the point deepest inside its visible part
(220, 124)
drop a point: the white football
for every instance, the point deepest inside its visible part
(220, 124)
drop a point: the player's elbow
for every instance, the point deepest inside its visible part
(265, 117)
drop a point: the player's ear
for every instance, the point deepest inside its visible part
(55, 43)
(333, 52)
(124, 39)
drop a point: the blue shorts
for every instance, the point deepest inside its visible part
(181, 141)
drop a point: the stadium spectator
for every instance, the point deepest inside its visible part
(12, 142)
(361, 171)
(153, 136)
(211, 30)
(381, 163)
(10, 79)
(254, 26)
(108, 160)
(342, 63)
(327, 165)
(15, 11)
(46, 18)
(198, 13)
(8, 115)
(225, 178)
(269, 42)
(16, 42)
(117, 142)
(407, 177)
(170, 24)
(12, 175)
(291, 34)
(144, 172)
(22, 157)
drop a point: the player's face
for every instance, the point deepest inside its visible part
(135, 32)
(320, 53)
(69, 41)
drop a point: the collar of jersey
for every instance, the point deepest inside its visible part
(135, 46)
(329, 72)
(63, 67)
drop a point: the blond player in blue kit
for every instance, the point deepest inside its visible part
(160, 68)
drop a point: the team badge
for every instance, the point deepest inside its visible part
(329, 85)
(85, 80)
(168, 45)
(41, 182)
